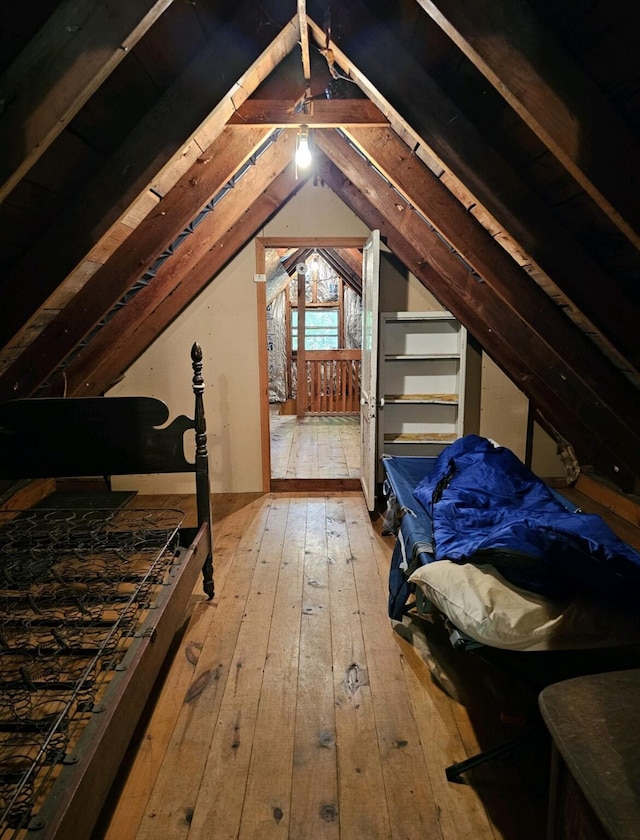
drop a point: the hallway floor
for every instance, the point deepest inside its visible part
(319, 446)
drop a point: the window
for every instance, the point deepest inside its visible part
(321, 329)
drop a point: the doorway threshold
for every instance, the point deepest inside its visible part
(314, 485)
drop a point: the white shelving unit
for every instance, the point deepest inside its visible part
(423, 367)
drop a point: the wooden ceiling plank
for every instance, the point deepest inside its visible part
(229, 152)
(111, 194)
(463, 151)
(511, 282)
(64, 64)
(330, 113)
(128, 334)
(564, 400)
(528, 66)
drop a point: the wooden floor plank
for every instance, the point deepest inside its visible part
(412, 807)
(362, 802)
(460, 809)
(266, 811)
(221, 794)
(314, 793)
(176, 791)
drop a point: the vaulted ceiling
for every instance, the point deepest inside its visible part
(493, 142)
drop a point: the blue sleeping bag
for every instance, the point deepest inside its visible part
(488, 507)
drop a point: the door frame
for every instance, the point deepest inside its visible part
(369, 381)
(262, 243)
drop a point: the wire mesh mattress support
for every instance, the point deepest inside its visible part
(77, 589)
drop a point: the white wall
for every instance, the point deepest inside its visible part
(503, 409)
(503, 417)
(399, 293)
(223, 319)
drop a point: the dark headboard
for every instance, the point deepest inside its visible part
(103, 436)
(48, 437)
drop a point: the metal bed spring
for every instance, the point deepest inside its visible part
(75, 587)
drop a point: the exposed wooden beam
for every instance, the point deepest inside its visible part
(527, 65)
(68, 59)
(336, 260)
(449, 138)
(290, 263)
(352, 258)
(203, 180)
(424, 191)
(214, 243)
(152, 158)
(330, 113)
(314, 241)
(304, 43)
(571, 409)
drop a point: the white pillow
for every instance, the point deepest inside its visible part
(481, 603)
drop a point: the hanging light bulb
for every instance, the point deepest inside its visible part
(303, 152)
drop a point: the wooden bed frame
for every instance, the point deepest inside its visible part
(100, 436)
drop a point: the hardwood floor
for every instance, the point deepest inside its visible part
(324, 446)
(292, 709)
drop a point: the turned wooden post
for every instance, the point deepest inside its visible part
(203, 484)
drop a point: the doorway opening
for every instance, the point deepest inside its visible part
(310, 317)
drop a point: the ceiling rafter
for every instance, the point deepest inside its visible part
(246, 210)
(333, 258)
(488, 260)
(556, 99)
(329, 113)
(465, 298)
(543, 374)
(353, 278)
(462, 150)
(304, 45)
(135, 169)
(205, 178)
(82, 42)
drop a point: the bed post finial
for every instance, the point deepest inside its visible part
(196, 360)
(203, 485)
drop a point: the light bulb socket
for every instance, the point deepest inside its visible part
(303, 151)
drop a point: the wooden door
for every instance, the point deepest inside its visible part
(369, 385)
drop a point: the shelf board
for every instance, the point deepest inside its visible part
(419, 437)
(445, 399)
(420, 357)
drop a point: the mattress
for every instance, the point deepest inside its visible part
(482, 605)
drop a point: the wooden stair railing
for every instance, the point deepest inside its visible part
(333, 381)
